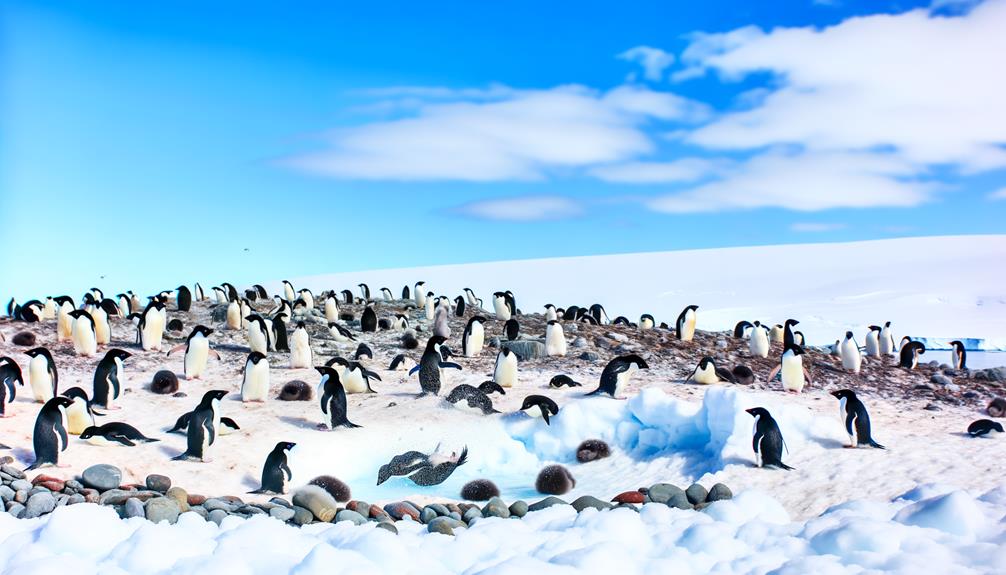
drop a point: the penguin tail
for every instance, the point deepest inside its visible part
(595, 392)
(258, 492)
(877, 445)
(784, 466)
(38, 463)
(183, 457)
(350, 425)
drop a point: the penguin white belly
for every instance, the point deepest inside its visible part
(472, 301)
(505, 373)
(851, 359)
(77, 417)
(100, 441)
(255, 386)
(353, 381)
(501, 309)
(886, 342)
(196, 357)
(476, 340)
(555, 343)
(308, 298)
(792, 374)
(233, 315)
(153, 332)
(289, 293)
(331, 310)
(84, 342)
(759, 343)
(103, 333)
(38, 376)
(550, 315)
(646, 323)
(688, 330)
(420, 297)
(429, 309)
(706, 376)
(622, 379)
(64, 324)
(300, 350)
(776, 335)
(257, 339)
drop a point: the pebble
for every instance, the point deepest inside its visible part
(518, 508)
(472, 514)
(589, 501)
(119, 496)
(952, 387)
(6, 493)
(402, 510)
(214, 503)
(102, 477)
(441, 509)
(496, 508)
(696, 494)
(16, 510)
(445, 525)
(179, 495)
(932, 407)
(350, 515)
(50, 483)
(39, 504)
(12, 471)
(619, 337)
(160, 483)
(218, 515)
(21, 496)
(722, 344)
(580, 341)
(20, 485)
(75, 499)
(302, 516)
(281, 501)
(546, 503)
(379, 514)
(664, 492)
(162, 509)
(589, 356)
(630, 497)
(940, 379)
(134, 508)
(200, 511)
(719, 492)
(74, 485)
(37, 489)
(427, 515)
(388, 527)
(283, 513)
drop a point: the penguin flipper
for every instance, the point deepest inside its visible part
(544, 415)
(177, 348)
(850, 419)
(413, 370)
(756, 441)
(122, 439)
(775, 371)
(372, 375)
(449, 364)
(62, 434)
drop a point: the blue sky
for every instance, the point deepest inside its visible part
(146, 145)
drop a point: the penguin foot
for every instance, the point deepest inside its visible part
(321, 426)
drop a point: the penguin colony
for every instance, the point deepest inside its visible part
(291, 321)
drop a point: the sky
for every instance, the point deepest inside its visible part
(143, 145)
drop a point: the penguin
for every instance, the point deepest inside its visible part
(331, 308)
(64, 323)
(10, 374)
(430, 365)
(220, 295)
(49, 437)
(742, 329)
(308, 297)
(646, 321)
(545, 407)
(255, 382)
(197, 352)
(429, 307)
(743, 375)
(511, 329)
(441, 326)
(279, 335)
(617, 374)
(474, 398)
(758, 341)
(399, 360)
(49, 309)
(788, 335)
(276, 471)
(684, 327)
(420, 292)
(873, 341)
(470, 296)
(364, 291)
(563, 379)
(588, 319)
(79, 416)
(794, 374)
(354, 377)
(234, 315)
(857, 420)
(151, 326)
(282, 306)
(183, 298)
(363, 350)
(503, 311)
(368, 321)
(473, 338)
(959, 355)
(99, 313)
(439, 467)
(886, 340)
(909, 356)
(347, 296)
(30, 312)
(400, 321)
(405, 293)
(798, 338)
(42, 374)
(198, 293)
(984, 427)
(505, 372)
(555, 341)
(288, 292)
(226, 426)
(775, 335)
(488, 387)
(108, 378)
(848, 350)
(597, 312)
(340, 333)
(300, 348)
(85, 340)
(550, 313)
(258, 334)
(707, 373)
(386, 294)
(114, 432)
(203, 423)
(768, 443)
(402, 464)
(124, 304)
(333, 398)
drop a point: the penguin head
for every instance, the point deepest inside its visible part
(60, 402)
(542, 401)
(201, 330)
(89, 432)
(435, 341)
(79, 313)
(39, 351)
(792, 322)
(285, 445)
(848, 335)
(639, 362)
(844, 394)
(116, 353)
(213, 394)
(62, 299)
(957, 345)
(337, 360)
(300, 325)
(794, 349)
(75, 393)
(887, 324)
(705, 362)
(647, 316)
(325, 370)
(255, 357)
(757, 412)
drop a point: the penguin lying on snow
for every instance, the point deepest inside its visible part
(857, 420)
(563, 379)
(984, 427)
(617, 373)
(115, 431)
(545, 407)
(768, 443)
(423, 469)
(473, 396)
(488, 387)
(707, 373)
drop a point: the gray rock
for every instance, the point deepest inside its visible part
(75, 499)
(281, 501)
(589, 356)
(37, 489)
(251, 510)
(439, 508)
(12, 471)
(722, 344)
(696, 494)
(134, 508)
(61, 499)
(20, 485)
(388, 526)
(302, 516)
(102, 477)
(162, 509)
(218, 515)
(580, 341)
(619, 337)
(455, 516)
(518, 508)
(496, 508)
(546, 503)
(119, 496)
(664, 492)
(952, 387)
(350, 515)
(214, 504)
(589, 501)
(16, 510)
(472, 514)
(445, 525)
(940, 379)
(39, 504)
(603, 343)
(680, 500)
(282, 513)
(21, 496)
(6, 493)
(427, 515)
(74, 485)
(159, 483)
(200, 511)
(526, 349)
(719, 492)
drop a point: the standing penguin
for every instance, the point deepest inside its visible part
(873, 341)
(42, 374)
(959, 355)
(776, 334)
(794, 374)
(511, 329)
(85, 339)
(386, 294)
(49, 436)
(108, 378)
(405, 292)
(617, 374)
(353, 376)
(459, 306)
(856, 418)
(886, 340)
(550, 312)
(288, 292)
(848, 350)
(420, 293)
(64, 323)
(151, 326)
(758, 341)
(501, 307)
(255, 383)
(429, 306)
(789, 337)
(203, 423)
(333, 398)
(430, 365)
(258, 334)
(685, 326)
(441, 326)
(707, 373)
(300, 348)
(183, 298)
(470, 296)
(276, 471)
(99, 314)
(555, 341)
(909, 357)
(505, 372)
(10, 374)
(368, 321)
(198, 293)
(234, 315)
(767, 442)
(279, 334)
(197, 351)
(364, 291)
(79, 415)
(473, 338)
(331, 307)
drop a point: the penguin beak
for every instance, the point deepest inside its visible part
(834, 393)
(750, 411)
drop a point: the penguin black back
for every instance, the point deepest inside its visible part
(767, 442)
(511, 329)
(49, 436)
(276, 471)
(368, 321)
(333, 398)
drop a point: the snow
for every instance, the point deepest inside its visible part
(952, 532)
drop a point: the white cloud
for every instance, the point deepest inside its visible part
(816, 227)
(683, 170)
(999, 194)
(522, 209)
(653, 60)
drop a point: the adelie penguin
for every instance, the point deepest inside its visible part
(42, 374)
(197, 352)
(473, 398)
(501, 307)
(279, 332)
(10, 374)
(473, 338)
(430, 365)
(368, 321)
(354, 377)
(258, 334)
(789, 337)
(768, 443)
(742, 328)
(79, 416)
(108, 378)
(331, 308)
(758, 340)
(339, 333)
(255, 383)
(511, 329)
(85, 338)
(646, 321)
(439, 466)
(794, 374)
(599, 315)
(684, 327)
(872, 347)
(563, 380)
(459, 306)
(856, 419)
(115, 432)
(386, 294)
(333, 398)
(151, 326)
(959, 356)
(300, 348)
(707, 373)
(984, 427)
(540, 406)
(276, 471)
(183, 298)
(555, 340)
(848, 350)
(617, 374)
(203, 423)
(64, 323)
(886, 339)
(49, 437)
(909, 355)
(505, 371)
